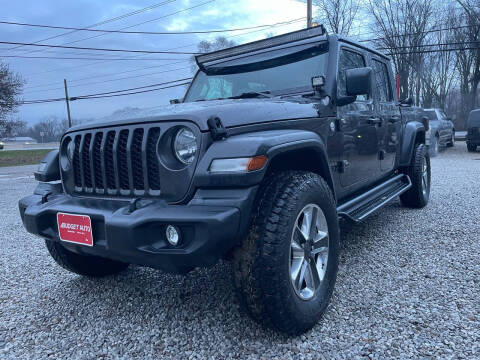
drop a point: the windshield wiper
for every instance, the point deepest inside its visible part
(252, 94)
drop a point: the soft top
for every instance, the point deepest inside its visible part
(474, 118)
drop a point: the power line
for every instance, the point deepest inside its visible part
(133, 93)
(130, 89)
(274, 25)
(111, 93)
(98, 49)
(136, 32)
(110, 74)
(83, 58)
(111, 80)
(136, 12)
(428, 45)
(138, 24)
(433, 51)
(289, 22)
(422, 32)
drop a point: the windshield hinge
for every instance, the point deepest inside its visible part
(217, 130)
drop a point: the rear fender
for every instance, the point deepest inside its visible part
(413, 133)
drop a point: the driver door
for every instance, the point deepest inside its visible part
(360, 140)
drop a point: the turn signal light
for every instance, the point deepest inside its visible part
(238, 165)
(256, 163)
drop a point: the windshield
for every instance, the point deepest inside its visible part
(277, 75)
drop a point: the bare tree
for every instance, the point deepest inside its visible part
(12, 127)
(11, 86)
(438, 68)
(205, 46)
(467, 41)
(337, 16)
(51, 127)
(402, 26)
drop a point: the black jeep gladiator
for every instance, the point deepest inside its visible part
(273, 143)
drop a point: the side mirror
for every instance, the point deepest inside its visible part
(175, 101)
(359, 81)
(407, 102)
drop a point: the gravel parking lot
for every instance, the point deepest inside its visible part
(408, 286)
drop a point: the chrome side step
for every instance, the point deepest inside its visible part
(359, 208)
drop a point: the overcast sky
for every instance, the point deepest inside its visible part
(44, 77)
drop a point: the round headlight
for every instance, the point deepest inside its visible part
(70, 150)
(185, 145)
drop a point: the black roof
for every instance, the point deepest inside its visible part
(360, 45)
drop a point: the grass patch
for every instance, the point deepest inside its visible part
(22, 157)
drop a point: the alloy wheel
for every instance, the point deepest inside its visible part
(424, 176)
(309, 251)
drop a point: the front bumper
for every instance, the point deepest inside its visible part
(210, 225)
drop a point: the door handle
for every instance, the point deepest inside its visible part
(374, 121)
(394, 119)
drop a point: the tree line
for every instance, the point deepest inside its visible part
(48, 129)
(434, 46)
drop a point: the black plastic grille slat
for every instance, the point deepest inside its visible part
(122, 160)
(152, 160)
(136, 154)
(109, 168)
(117, 162)
(76, 162)
(87, 172)
(97, 160)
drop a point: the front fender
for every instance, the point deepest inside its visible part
(413, 133)
(271, 143)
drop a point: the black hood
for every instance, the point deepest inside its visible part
(232, 112)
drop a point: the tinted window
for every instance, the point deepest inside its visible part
(382, 84)
(431, 114)
(348, 60)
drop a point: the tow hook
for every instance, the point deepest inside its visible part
(133, 205)
(45, 196)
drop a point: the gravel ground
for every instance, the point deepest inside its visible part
(408, 287)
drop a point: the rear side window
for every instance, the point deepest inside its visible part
(431, 114)
(382, 83)
(348, 60)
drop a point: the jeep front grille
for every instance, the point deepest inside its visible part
(119, 161)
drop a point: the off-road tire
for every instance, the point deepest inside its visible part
(261, 262)
(86, 265)
(415, 197)
(471, 147)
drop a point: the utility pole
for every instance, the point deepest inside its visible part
(309, 13)
(68, 104)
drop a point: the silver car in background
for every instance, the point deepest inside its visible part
(442, 130)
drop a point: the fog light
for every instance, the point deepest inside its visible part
(173, 235)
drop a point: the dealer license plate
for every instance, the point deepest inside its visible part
(75, 228)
